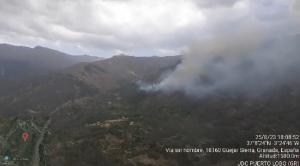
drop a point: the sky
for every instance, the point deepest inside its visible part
(137, 27)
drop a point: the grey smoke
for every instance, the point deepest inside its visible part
(251, 54)
(248, 62)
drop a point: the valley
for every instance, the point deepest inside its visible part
(96, 114)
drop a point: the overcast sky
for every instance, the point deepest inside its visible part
(136, 27)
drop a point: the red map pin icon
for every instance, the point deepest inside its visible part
(25, 136)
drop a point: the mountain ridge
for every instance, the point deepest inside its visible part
(18, 62)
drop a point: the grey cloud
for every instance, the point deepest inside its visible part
(81, 22)
(131, 25)
(296, 5)
(67, 22)
(215, 3)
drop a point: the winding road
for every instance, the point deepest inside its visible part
(36, 152)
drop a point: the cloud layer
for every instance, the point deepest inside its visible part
(138, 27)
(102, 26)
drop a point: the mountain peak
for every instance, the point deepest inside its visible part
(41, 47)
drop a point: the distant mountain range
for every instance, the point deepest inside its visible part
(17, 62)
(34, 77)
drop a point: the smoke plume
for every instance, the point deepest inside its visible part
(249, 59)
(243, 64)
